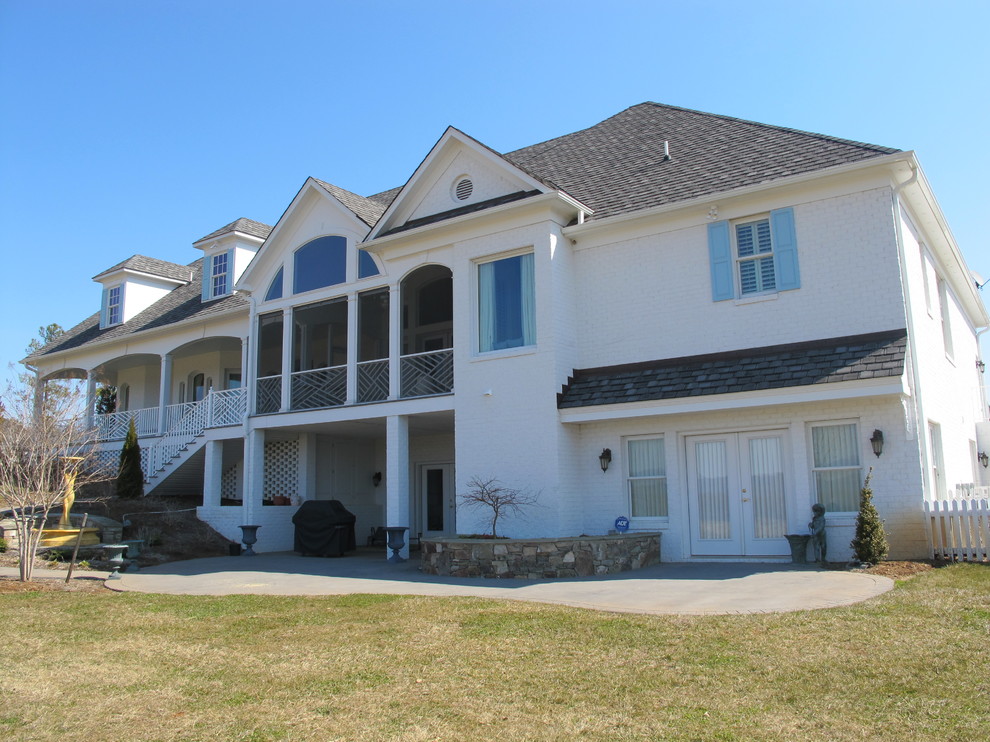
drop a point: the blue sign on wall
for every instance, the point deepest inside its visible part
(622, 524)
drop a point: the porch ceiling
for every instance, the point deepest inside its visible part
(427, 423)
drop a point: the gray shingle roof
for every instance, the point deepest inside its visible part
(154, 266)
(852, 358)
(245, 226)
(182, 303)
(367, 210)
(617, 166)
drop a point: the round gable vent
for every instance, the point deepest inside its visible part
(463, 189)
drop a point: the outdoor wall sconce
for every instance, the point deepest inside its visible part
(605, 458)
(981, 365)
(877, 442)
(376, 478)
(984, 459)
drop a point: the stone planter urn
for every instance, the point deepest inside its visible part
(249, 538)
(396, 540)
(799, 547)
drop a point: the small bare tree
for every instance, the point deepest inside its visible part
(38, 448)
(501, 500)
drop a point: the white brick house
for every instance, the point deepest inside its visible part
(730, 309)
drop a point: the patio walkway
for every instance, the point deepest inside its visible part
(675, 588)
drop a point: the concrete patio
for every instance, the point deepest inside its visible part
(676, 588)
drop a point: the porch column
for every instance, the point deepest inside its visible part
(397, 475)
(39, 396)
(213, 473)
(90, 399)
(394, 341)
(254, 475)
(164, 388)
(352, 348)
(288, 331)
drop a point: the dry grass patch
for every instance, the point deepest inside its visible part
(907, 665)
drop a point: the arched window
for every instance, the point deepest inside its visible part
(197, 387)
(322, 262)
(366, 265)
(275, 287)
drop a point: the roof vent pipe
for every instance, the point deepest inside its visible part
(666, 150)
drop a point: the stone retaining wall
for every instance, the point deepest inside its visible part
(582, 556)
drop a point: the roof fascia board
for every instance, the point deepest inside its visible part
(244, 283)
(737, 400)
(441, 229)
(586, 228)
(142, 334)
(921, 198)
(436, 152)
(226, 237)
(110, 275)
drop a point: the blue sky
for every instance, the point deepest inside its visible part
(139, 127)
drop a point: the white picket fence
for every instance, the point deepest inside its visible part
(960, 527)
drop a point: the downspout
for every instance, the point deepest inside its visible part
(920, 419)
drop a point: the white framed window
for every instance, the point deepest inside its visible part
(754, 258)
(115, 305)
(754, 255)
(937, 462)
(506, 303)
(220, 275)
(646, 477)
(836, 468)
(943, 300)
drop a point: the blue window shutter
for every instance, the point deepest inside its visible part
(720, 256)
(104, 302)
(207, 270)
(785, 249)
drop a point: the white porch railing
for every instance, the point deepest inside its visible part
(113, 426)
(227, 408)
(372, 380)
(322, 387)
(269, 394)
(959, 528)
(423, 374)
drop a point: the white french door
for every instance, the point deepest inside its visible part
(436, 499)
(738, 486)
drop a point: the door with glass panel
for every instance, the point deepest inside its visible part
(436, 510)
(737, 493)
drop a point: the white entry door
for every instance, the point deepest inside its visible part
(738, 489)
(436, 500)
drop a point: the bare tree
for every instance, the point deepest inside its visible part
(38, 449)
(501, 500)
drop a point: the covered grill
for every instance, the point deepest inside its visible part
(324, 528)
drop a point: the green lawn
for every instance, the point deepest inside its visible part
(910, 665)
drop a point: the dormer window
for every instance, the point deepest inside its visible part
(220, 274)
(114, 312)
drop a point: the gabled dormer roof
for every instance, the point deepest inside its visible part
(416, 203)
(248, 227)
(151, 267)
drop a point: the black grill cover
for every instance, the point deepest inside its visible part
(324, 528)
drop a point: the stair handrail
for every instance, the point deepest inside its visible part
(181, 433)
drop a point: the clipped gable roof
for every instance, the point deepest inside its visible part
(242, 225)
(152, 266)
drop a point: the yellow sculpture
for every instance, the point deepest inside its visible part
(65, 534)
(70, 490)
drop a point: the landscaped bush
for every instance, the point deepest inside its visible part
(870, 544)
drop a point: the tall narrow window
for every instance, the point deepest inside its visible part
(836, 468)
(506, 303)
(938, 465)
(943, 300)
(270, 344)
(320, 336)
(114, 306)
(647, 479)
(754, 257)
(220, 274)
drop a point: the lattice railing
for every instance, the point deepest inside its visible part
(423, 374)
(372, 381)
(227, 407)
(113, 426)
(269, 394)
(177, 437)
(175, 412)
(325, 387)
